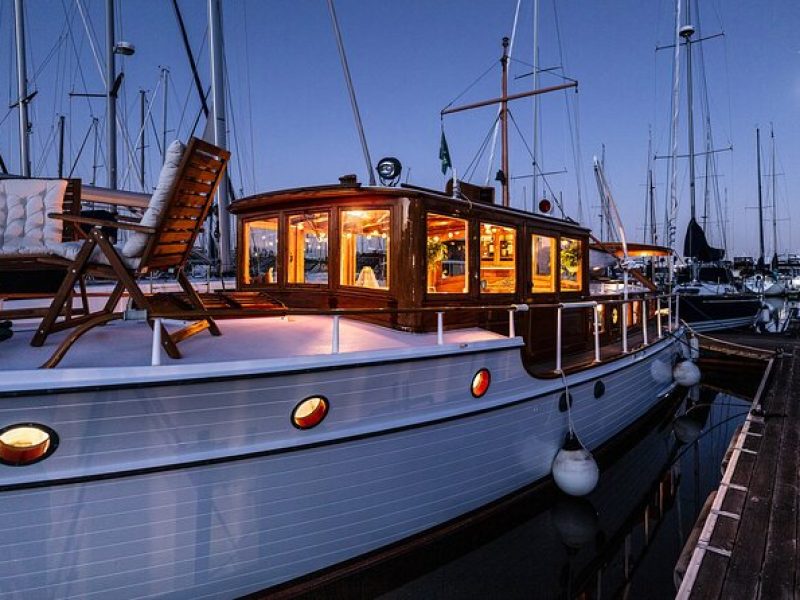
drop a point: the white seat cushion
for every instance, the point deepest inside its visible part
(69, 250)
(24, 204)
(137, 242)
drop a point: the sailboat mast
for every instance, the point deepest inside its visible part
(111, 98)
(774, 198)
(760, 207)
(165, 79)
(504, 126)
(142, 116)
(22, 92)
(686, 33)
(61, 119)
(535, 102)
(219, 126)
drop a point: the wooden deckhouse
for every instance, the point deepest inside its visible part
(348, 246)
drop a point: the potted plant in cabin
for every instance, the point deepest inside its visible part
(437, 254)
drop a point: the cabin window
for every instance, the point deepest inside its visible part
(261, 253)
(498, 259)
(308, 248)
(365, 248)
(543, 262)
(447, 255)
(571, 269)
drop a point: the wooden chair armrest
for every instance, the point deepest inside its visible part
(102, 222)
(128, 219)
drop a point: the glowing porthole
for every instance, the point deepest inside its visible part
(480, 382)
(310, 412)
(26, 443)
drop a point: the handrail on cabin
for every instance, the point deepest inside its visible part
(440, 311)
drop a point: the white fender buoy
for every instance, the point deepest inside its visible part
(661, 371)
(574, 469)
(576, 521)
(764, 315)
(686, 373)
(686, 429)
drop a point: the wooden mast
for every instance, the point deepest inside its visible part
(504, 176)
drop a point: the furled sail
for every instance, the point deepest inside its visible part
(696, 246)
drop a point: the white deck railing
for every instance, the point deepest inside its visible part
(440, 314)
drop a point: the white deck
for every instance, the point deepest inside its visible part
(129, 343)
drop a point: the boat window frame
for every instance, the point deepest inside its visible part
(555, 260)
(245, 252)
(339, 285)
(518, 233)
(470, 252)
(583, 245)
(286, 215)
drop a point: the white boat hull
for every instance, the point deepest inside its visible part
(203, 489)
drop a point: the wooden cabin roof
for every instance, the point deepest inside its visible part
(349, 191)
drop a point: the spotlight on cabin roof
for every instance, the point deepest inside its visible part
(389, 170)
(686, 31)
(124, 48)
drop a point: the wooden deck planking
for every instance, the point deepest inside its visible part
(779, 572)
(763, 543)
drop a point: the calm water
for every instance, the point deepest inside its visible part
(623, 540)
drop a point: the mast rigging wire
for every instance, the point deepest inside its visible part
(469, 172)
(490, 166)
(573, 134)
(351, 90)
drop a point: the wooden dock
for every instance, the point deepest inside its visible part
(748, 539)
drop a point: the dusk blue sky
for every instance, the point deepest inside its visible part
(292, 124)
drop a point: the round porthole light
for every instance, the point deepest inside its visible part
(310, 412)
(480, 382)
(26, 443)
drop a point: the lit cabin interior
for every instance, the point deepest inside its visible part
(347, 246)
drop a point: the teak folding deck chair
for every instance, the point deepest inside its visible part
(165, 245)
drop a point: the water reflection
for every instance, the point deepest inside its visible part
(622, 540)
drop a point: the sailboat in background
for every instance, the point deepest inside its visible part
(765, 280)
(707, 295)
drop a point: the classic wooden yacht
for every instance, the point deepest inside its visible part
(391, 360)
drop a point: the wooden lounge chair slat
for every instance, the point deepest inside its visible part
(162, 262)
(162, 249)
(176, 236)
(193, 186)
(200, 175)
(185, 211)
(181, 224)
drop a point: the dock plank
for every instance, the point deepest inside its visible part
(779, 571)
(764, 559)
(748, 544)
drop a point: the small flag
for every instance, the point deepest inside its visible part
(444, 155)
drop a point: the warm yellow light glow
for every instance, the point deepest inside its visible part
(480, 383)
(310, 412)
(23, 444)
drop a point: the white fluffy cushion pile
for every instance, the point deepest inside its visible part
(24, 226)
(136, 243)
